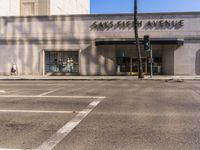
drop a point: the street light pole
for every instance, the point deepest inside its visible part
(140, 70)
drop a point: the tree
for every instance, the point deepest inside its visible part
(140, 70)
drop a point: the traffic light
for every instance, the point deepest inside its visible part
(147, 44)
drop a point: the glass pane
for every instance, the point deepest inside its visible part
(123, 64)
(157, 65)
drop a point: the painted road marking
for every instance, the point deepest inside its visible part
(37, 111)
(9, 149)
(45, 93)
(50, 96)
(35, 84)
(68, 127)
(2, 91)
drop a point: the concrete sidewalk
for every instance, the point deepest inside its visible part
(38, 77)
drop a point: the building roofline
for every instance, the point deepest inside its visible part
(150, 13)
(112, 14)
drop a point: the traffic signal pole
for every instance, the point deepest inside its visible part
(151, 57)
(147, 48)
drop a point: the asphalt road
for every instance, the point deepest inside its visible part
(100, 115)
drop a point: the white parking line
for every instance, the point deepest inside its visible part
(68, 127)
(50, 96)
(2, 91)
(37, 111)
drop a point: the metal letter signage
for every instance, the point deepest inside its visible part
(107, 25)
(164, 24)
(123, 25)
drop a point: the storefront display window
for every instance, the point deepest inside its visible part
(63, 62)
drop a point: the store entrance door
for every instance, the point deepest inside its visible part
(135, 65)
(129, 65)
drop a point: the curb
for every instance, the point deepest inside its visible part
(108, 78)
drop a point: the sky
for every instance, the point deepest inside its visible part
(126, 6)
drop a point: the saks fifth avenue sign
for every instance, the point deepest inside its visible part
(123, 25)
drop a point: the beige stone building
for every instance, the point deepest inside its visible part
(43, 7)
(99, 44)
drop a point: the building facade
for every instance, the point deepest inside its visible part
(100, 44)
(43, 7)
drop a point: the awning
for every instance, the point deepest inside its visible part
(154, 41)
